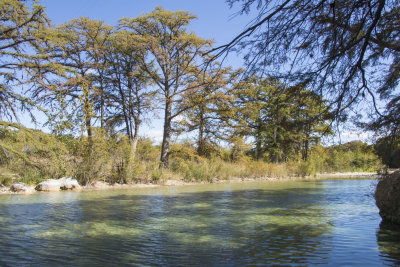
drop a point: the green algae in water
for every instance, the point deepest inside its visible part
(289, 223)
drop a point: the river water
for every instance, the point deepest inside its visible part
(331, 222)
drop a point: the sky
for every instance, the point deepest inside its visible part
(216, 21)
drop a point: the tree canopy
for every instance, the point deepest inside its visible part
(346, 50)
(175, 55)
(19, 29)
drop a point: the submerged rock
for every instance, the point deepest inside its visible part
(387, 197)
(19, 187)
(64, 183)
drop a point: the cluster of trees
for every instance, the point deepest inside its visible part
(86, 75)
(347, 50)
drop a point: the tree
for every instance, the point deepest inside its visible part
(72, 68)
(388, 150)
(130, 100)
(19, 30)
(262, 109)
(283, 121)
(173, 62)
(348, 50)
(207, 107)
(310, 117)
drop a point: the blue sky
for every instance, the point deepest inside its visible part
(215, 19)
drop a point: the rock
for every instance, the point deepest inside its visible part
(69, 183)
(49, 185)
(387, 197)
(19, 187)
(64, 183)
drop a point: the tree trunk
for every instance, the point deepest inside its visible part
(89, 151)
(306, 148)
(88, 124)
(276, 160)
(134, 141)
(258, 141)
(102, 103)
(88, 127)
(167, 134)
(200, 142)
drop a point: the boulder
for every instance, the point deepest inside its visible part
(19, 187)
(64, 183)
(69, 183)
(387, 197)
(49, 185)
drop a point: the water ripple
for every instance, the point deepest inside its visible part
(288, 223)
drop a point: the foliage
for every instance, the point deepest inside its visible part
(74, 60)
(207, 108)
(388, 149)
(19, 28)
(173, 62)
(350, 157)
(348, 50)
(284, 122)
(32, 156)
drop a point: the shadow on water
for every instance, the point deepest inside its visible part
(388, 239)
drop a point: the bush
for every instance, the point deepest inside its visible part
(31, 156)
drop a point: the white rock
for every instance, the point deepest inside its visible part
(64, 183)
(69, 183)
(49, 185)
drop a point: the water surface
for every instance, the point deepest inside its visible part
(333, 222)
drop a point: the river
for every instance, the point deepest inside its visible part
(297, 223)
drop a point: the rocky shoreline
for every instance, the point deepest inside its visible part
(69, 183)
(387, 197)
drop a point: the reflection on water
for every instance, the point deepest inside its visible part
(296, 223)
(388, 237)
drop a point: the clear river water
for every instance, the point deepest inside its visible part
(295, 223)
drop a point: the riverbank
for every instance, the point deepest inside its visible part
(100, 185)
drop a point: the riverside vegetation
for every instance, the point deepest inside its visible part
(30, 156)
(97, 84)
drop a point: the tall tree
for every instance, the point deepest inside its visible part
(19, 30)
(283, 121)
(349, 50)
(262, 109)
(173, 62)
(208, 107)
(75, 68)
(131, 98)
